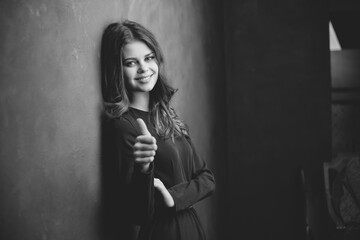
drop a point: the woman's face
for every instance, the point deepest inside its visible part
(140, 67)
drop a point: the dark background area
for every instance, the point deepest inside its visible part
(254, 80)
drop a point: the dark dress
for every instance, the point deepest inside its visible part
(177, 165)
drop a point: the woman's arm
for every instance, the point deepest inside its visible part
(201, 185)
(137, 181)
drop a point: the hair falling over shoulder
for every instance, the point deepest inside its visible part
(115, 95)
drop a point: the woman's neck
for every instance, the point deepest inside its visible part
(140, 100)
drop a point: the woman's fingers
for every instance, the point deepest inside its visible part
(144, 147)
(143, 128)
(144, 160)
(144, 154)
(157, 183)
(146, 139)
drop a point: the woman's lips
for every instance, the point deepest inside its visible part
(144, 79)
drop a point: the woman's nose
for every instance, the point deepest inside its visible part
(143, 67)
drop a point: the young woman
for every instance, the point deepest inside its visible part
(161, 173)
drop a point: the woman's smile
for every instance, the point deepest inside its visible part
(144, 79)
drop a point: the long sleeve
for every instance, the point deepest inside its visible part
(137, 188)
(200, 186)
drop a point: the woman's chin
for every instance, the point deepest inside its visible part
(147, 87)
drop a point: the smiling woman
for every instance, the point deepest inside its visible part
(161, 175)
(140, 70)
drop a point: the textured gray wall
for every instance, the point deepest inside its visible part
(50, 124)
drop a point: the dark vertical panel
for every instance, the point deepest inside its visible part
(279, 116)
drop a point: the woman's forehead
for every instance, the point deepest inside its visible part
(136, 49)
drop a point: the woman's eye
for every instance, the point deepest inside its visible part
(130, 63)
(149, 58)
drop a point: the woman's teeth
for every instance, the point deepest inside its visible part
(144, 78)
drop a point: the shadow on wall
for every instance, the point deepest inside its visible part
(114, 224)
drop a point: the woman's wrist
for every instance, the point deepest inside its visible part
(144, 168)
(168, 199)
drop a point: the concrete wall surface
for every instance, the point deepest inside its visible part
(50, 103)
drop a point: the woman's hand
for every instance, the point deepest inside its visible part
(145, 147)
(169, 201)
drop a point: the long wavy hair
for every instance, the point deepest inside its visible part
(115, 94)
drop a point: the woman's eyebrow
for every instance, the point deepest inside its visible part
(134, 58)
(151, 53)
(129, 58)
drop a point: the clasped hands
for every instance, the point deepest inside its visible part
(144, 153)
